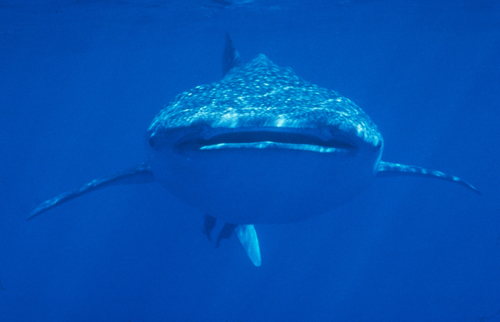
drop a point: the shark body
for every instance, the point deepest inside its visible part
(260, 146)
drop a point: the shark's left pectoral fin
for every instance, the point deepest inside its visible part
(385, 169)
(248, 238)
(139, 174)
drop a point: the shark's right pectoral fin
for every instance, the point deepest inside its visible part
(139, 174)
(248, 238)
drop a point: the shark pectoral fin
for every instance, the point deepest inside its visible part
(139, 174)
(386, 169)
(248, 238)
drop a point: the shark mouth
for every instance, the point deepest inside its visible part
(268, 139)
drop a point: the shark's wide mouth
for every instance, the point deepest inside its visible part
(267, 140)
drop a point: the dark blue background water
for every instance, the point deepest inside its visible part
(81, 80)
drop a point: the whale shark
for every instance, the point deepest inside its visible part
(261, 146)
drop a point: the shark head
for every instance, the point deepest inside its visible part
(263, 146)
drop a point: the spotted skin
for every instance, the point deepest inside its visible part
(262, 94)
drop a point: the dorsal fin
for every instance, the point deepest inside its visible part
(139, 174)
(387, 169)
(231, 58)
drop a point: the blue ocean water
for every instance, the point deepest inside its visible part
(80, 81)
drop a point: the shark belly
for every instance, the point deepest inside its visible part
(262, 185)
